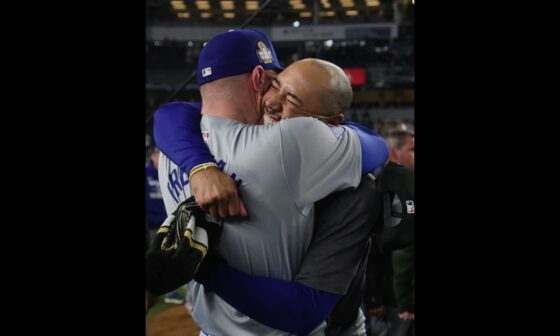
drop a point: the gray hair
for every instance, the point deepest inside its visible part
(397, 138)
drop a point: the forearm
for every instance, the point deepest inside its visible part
(177, 134)
(285, 305)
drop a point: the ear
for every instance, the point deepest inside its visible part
(257, 78)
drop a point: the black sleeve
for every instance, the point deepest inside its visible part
(379, 282)
(343, 224)
(403, 278)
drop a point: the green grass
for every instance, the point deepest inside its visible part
(161, 305)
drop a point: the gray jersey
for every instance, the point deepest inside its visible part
(282, 169)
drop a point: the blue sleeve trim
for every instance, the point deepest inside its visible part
(177, 134)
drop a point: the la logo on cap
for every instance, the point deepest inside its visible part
(264, 54)
(206, 72)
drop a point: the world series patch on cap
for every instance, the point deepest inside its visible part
(235, 52)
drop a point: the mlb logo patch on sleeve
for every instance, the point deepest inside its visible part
(410, 207)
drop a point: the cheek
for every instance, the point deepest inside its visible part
(267, 83)
(288, 112)
(267, 95)
(411, 158)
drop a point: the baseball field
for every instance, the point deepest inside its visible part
(170, 320)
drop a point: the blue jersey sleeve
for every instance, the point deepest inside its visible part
(285, 305)
(374, 148)
(177, 134)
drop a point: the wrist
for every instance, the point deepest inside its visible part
(201, 167)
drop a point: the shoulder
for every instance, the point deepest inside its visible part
(310, 127)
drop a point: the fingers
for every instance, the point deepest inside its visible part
(216, 193)
(212, 207)
(229, 207)
(224, 203)
(233, 205)
(223, 209)
(214, 211)
(242, 209)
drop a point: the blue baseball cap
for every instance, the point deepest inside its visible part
(235, 52)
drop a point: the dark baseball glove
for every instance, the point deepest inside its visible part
(179, 247)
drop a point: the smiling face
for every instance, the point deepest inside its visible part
(300, 90)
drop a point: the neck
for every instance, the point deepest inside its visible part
(234, 101)
(229, 110)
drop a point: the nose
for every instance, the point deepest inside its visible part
(274, 104)
(273, 113)
(279, 96)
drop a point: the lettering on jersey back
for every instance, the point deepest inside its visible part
(178, 180)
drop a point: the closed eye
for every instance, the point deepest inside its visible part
(275, 85)
(291, 98)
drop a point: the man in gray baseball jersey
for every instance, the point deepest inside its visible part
(281, 172)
